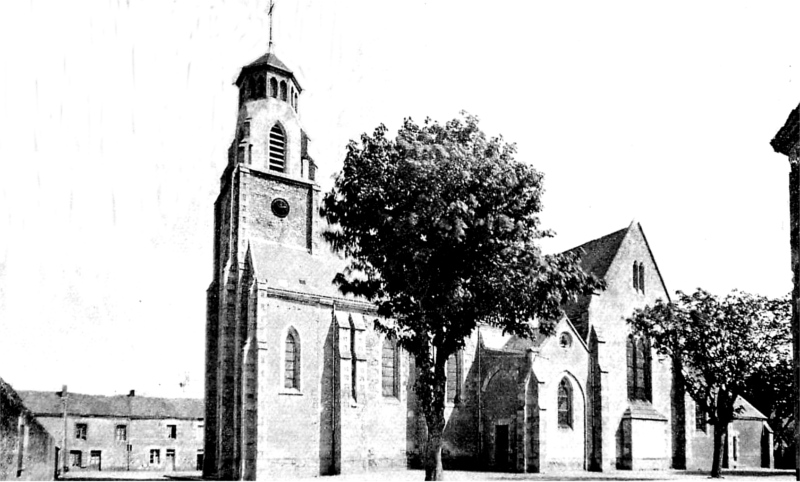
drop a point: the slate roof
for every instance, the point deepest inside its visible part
(596, 257)
(747, 412)
(269, 59)
(49, 403)
(283, 267)
(789, 135)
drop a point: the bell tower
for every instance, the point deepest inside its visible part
(267, 204)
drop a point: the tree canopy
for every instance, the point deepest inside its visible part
(440, 225)
(720, 343)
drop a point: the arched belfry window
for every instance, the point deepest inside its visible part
(291, 361)
(565, 404)
(273, 87)
(636, 275)
(389, 369)
(260, 87)
(277, 149)
(283, 90)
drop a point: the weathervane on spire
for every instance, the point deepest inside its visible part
(269, 14)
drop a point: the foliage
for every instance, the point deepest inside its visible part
(440, 226)
(720, 344)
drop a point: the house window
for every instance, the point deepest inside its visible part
(564, 404)
(283, 91)
(75, 457)
(121, 433)
(172, 431)
(171, 458)
(95, 460)
(292, 361)
(639, 369)
(699, 419)
(388, 369)
(155, 457)
(453, 378)
(273, 87)
(277, 149)
(80, 431)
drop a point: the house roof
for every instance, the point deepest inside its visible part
(50, 403)
(789, 135)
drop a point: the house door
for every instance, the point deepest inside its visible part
(170, 459)
(95, 462)
(56, 472)
(501, 447)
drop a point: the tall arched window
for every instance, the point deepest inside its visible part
(639, 367)
(453, 388)
(641, 277)
(564, 404)
(636, 275)
(388, 369)
(277, 149)
(283, 90)
(291, 361)
(273, 87)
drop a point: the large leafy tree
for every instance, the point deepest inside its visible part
(721, 344)
(440, 225)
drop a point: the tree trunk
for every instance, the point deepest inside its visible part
(719, 436)
(433, 450)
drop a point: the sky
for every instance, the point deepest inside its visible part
(115, 118)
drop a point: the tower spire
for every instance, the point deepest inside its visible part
(269, 14)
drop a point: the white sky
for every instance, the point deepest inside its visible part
(115, 117)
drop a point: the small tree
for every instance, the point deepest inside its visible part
(441, 225)
(721, 343)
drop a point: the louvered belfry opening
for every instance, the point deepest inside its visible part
(277, 149)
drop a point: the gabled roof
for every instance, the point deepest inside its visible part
(284, 267)
(789, 135)
(746, 411)
(597, 255)
(50, 403)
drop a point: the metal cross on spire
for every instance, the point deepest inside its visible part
(269, 14)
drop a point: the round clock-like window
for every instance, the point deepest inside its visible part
(565, 340)
(280, 207)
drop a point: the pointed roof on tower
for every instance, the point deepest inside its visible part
(268, 61)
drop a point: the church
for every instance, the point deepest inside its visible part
(298, 383)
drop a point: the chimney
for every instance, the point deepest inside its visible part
(132, 393)
(63, 391)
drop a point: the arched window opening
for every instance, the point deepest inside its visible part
(641, 277)
(291, 362)
(273, 87)
(353, 362)
(388, 369)
(564, 404)
(283, 90)
(639, 366)
(699, 419)
(277, 149)
(635, 275)
(453, 387)
(260, 87)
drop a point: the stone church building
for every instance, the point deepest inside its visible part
(298, 383)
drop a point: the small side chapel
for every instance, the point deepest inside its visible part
(298, 383)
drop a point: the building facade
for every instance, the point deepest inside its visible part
(27, 450)
(298, 383)
(122, 432)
